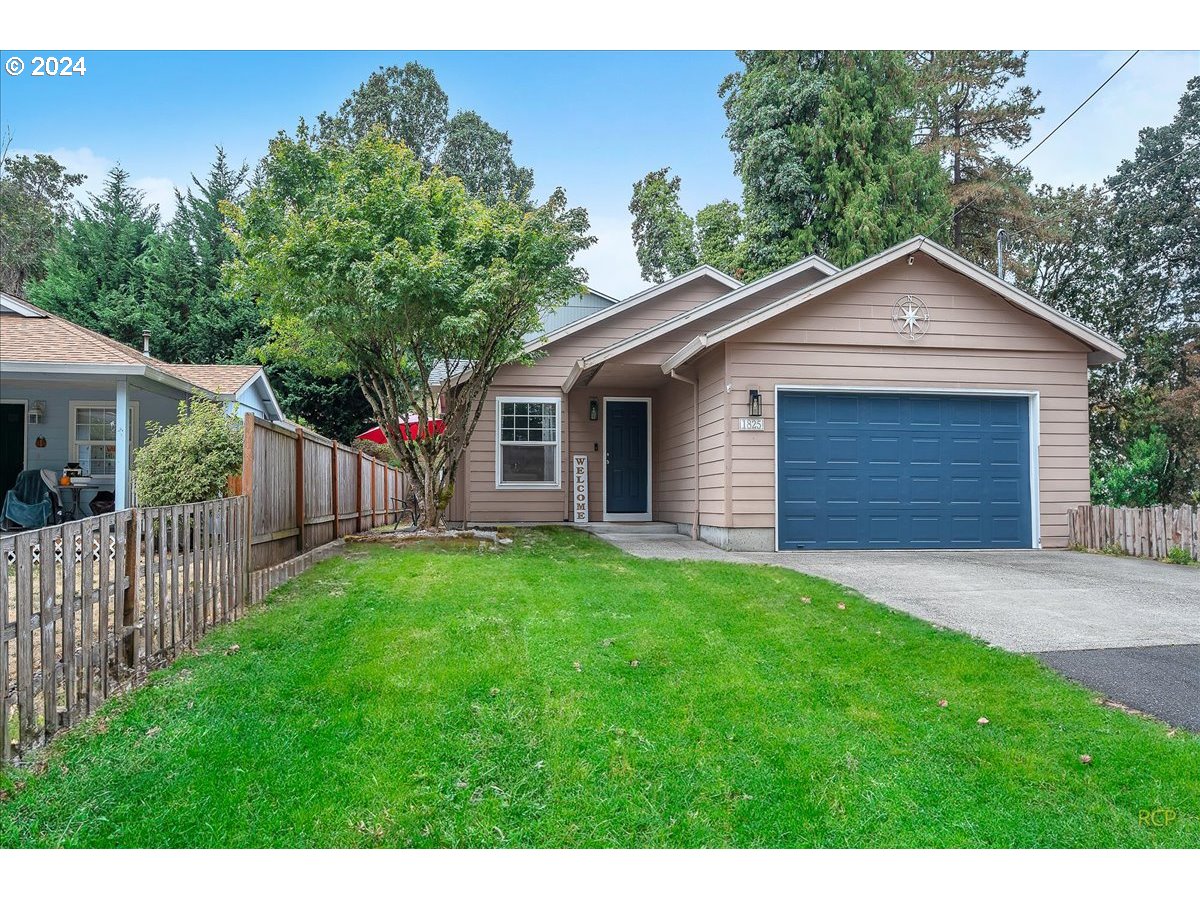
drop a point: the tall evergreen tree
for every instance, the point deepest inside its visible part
(721, 237)
(99, 270)
(822, 141)
(967, 110)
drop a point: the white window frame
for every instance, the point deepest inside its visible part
(73, 444)
(554, 485)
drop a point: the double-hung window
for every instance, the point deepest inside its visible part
(94, 437)
(527, 442)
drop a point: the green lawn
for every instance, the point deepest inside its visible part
(465, 697)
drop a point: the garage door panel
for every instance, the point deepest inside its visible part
(863, 471)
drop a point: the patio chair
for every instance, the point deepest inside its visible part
(30, 503)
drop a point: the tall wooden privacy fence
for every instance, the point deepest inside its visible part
(88, 607)
(305, 490)
(1151, 531)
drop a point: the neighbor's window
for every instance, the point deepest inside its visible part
(95, 440)
(94, 437)
(528, 442)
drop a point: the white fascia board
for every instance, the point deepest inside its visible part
(20, 307)
(1104, 349)
(704, 309)
(14, 367)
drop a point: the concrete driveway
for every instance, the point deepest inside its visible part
(1128, 628)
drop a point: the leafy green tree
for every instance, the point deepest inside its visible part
(1125, 260)
(369, 267)
(410, 107)
(482, 157)
(331, 404)
(35, 202)
(98, 272)
(662, 232)
(1136, 480)
(190, 460)
(407, 103)
(721, 237)
(967, 111)
(823, 143)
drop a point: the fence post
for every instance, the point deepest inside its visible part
(248, 484)
(333, 486)
(300, 490)
(358, 493)
(129, 600)
(374, 493)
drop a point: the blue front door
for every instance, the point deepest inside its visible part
(889, 471)
(626, 475)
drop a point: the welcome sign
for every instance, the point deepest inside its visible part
(579, 489)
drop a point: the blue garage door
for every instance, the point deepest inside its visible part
(881, 471)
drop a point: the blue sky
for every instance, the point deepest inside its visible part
(591, 122)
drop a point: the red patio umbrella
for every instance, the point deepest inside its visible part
(409, 431)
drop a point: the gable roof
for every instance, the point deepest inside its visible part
(622, 306)
(35, 340)
(716, 304)
(1104, 350)
(462, 368)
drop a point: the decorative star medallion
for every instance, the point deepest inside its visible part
(910, 318)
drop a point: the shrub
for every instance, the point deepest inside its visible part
(1179, 556)
(1136, 480)
(191, 460)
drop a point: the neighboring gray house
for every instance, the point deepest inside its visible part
(63, 386)
(576, 308)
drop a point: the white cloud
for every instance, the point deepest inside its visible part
(84, 161)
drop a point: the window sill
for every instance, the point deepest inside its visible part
(529, 486)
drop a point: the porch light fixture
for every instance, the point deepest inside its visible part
(37, 409)
(755, 402)
(593, 409)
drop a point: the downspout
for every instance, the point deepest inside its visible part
(1001, 235)
(695, 383)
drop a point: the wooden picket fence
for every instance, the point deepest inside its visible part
(88, 607)
(1150, 531)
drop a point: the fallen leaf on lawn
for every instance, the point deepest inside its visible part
(982, 720)
(943, 703)
(494, 692)
(633, 663)
(3, 796)
(233, 648)
(1085, 759)
(841, 606)
(578, 666)
(806, 599)
(460, 784)
(153, 731)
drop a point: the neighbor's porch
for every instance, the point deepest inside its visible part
(97, 421)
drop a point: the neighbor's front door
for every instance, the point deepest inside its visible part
(627, 460)
(12, 444)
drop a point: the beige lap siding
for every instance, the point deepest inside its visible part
(976, 340)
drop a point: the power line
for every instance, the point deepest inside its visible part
(970, 204)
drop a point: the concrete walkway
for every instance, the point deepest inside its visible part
(1108, 622)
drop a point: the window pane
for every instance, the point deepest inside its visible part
(529, 464)
(528, 422)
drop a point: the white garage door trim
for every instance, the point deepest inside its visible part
(1034, 398)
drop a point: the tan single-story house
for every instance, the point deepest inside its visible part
(913, 400)
(70, 395)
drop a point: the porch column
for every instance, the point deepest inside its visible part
(121, 486)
